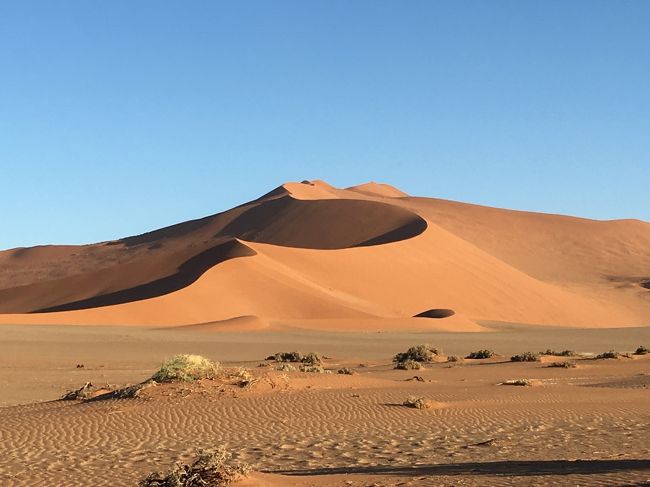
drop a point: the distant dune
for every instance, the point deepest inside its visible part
(309, 251)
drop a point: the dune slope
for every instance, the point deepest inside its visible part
(311, 251)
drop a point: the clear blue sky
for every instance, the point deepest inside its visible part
(118, 117)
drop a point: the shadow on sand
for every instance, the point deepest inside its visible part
(512, 468)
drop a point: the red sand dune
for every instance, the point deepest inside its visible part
(309, 251)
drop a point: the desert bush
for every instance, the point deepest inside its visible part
(418, 353)
(409, 365)
(454, 358)
(563, 353)
(286, 367)
(242, 377)
(567, 364)
(525, 357)
(346, 371)
(642, 350)
(517, 382)
(609, 354)
(481, 354)
(209, 468)
(317, 369)
(311, 358)
(186, 368)
(416, 402)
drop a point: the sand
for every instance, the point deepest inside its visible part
(587, 425)
(341, 272)
(311, 251)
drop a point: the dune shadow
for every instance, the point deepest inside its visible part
(186, 274)
(522, 468)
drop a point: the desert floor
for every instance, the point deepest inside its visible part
(588, 425)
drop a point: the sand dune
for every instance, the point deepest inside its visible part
(309, 251)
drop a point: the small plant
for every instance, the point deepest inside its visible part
(316, 369)
(642, 350)
(243, 377)
(481, 354)
(409, 365)
(563, 353)
(419, 353)
(346, 371)
(517, 382)
(567, 364)
(525, 357)
(608, 355)
(311, 358)
(285, 367)
(454, 358)
(416, 402)
(186, 368)
(209, 468)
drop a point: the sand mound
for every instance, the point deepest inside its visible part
(378, 189)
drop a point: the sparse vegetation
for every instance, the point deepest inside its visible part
(419, 353)
(186, 368)
(567, 364)
(311, 358)
(525, 357)
(608, 355)
(83, 392)
(454, 358)
(210, 468)
(563, 353)
(409, 365)
(316, 369)
(346, 371)
(479, 354)
(285, 367)
(243, 377)
(642, 350)
(517, 382)
(416, 402)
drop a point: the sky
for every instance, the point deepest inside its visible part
(120, 117)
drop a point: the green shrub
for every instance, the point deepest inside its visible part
(525, 357)
(210, 468)
(419, 353)
(481, 354)
(186, 368)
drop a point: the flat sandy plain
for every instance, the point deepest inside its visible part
(584, 426)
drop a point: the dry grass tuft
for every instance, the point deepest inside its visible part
(186, 368)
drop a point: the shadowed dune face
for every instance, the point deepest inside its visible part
(325, 224)
(436, 313)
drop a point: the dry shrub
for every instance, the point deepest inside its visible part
(186, 368)
(563, 353)
(418, 353)
(567, 364)
(209, 468)
(409, 365)
(517, 382)
(479, 354)
(416, 402)
(609, 354)
(525, 357)
(346, 371)
(642, 350)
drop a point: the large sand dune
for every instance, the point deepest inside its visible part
(309, 252)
